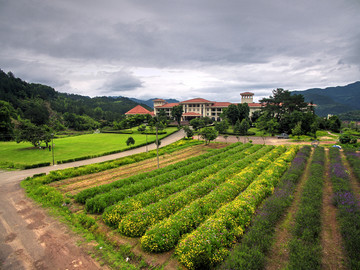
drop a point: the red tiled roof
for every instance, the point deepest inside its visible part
(247, 94)
(138, 110)
(196, 100)
(221, 104)
(168, 105)
(158, 99)
(191, 114)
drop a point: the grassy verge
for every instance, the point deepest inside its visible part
(68, 149)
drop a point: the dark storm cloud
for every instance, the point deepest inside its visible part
(255, 44)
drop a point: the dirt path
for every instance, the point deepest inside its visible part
(331, 241)
(29, 237)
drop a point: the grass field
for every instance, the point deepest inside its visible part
(14, 155)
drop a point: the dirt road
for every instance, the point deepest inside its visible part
(29, 237)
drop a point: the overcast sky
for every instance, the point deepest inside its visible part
(181, 49)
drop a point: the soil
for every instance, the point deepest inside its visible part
(31, 239)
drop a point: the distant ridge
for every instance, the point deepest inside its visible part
(150, 102)
(334, 100)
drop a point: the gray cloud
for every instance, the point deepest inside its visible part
(231, 46)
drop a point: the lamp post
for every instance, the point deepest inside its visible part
(157, 147)
(52, 148)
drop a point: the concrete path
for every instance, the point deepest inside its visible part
(29, 237)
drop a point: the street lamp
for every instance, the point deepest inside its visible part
(52, 148)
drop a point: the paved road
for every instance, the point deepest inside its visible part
(31, 239)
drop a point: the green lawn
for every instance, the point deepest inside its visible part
(15, 155)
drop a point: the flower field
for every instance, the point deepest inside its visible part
(220, 209)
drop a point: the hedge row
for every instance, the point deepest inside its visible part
(113, 214)
(354, 160)
(348, 208)
(209, 243)
(82, 196)
(137, 222)
(305, 246)
(140, 183)
(164, 235)
(251, 253)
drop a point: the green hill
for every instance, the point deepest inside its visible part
(42, 105)
(334, 100)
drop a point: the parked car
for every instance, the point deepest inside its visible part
(283, 136)
(337, 146)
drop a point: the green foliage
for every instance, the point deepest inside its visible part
(188, 131)
(177, 112)
(297, 131)
(236, 113)
(130, 141)
(208, 134)
(6, 125)
(347, 139)
(222, 126)
(29, 132)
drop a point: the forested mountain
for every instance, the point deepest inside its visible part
(42, 105)
(150, 102)
(334, 100)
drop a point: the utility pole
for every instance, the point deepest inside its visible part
(157, 147)
(52, 148)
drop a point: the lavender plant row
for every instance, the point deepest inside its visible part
(257, 241)
(354, 159)
(348, 208)
(305, 247)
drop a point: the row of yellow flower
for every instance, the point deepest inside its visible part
(113, 214)
(82, 196)
(209, 243)
(98, 203)
(137, 222)
(164, 235)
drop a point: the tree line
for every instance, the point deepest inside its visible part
(29, 108)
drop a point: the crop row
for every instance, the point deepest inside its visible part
(354, 160)
(252, 251)
(113, 214)
(82, 196)
(165, 235)
(135, 185)
(137, 222)
(209, 243)
(99, 167)
(348, 208)
(305, 247)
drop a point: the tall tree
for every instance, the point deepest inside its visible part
(6, 125)
(177, 112)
